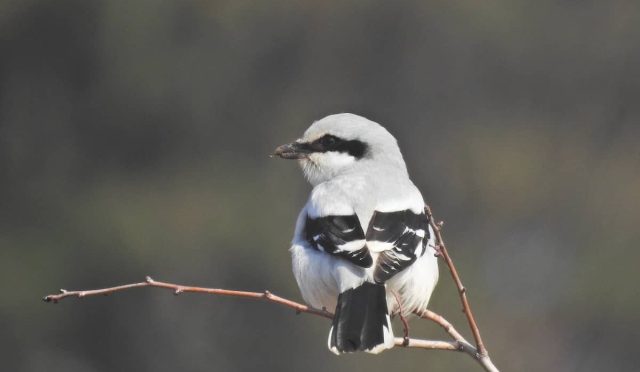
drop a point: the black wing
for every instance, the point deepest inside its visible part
(331, 234)
(408, 232)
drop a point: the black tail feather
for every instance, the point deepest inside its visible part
(361, 321)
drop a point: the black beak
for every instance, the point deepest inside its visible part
(295, 150)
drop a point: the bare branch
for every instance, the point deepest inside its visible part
(178, 289)
(462, 343)
(459, 343)
(266, 295)
(466, 308)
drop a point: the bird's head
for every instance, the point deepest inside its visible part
(341, 143)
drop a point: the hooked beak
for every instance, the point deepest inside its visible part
(294, 150)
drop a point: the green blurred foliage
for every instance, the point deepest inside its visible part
(134, 138)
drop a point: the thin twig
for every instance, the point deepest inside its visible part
(459, 343)
(441, 249)
(177, 289)
(266, 295)
(466, 308)
(462, 343)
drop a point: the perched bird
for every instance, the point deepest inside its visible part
(362, 245)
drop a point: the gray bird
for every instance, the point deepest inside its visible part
(362, 245)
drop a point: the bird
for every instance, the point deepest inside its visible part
(362, 245)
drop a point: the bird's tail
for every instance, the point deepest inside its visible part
(361, 321)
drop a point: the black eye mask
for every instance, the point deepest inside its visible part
(329, 142)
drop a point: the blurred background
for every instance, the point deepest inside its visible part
(134, 138)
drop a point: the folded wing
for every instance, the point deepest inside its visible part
(341, 236)
(406, 235)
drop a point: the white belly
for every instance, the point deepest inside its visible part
(413, 285)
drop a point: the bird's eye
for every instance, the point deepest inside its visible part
(329, 141)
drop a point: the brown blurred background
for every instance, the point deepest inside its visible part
(134, 138)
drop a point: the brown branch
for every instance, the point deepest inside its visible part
(266, 295)
(177, 289)
(459, 343)
(441, 250)
(462, 343)
(466, 308)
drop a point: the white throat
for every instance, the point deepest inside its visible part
(322, 167)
